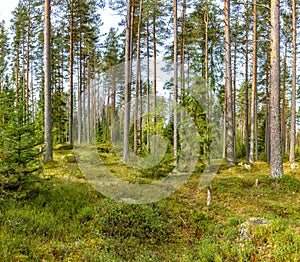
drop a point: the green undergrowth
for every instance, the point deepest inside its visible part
(63, 218)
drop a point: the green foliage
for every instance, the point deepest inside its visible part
(67, 220)
(18, 144)
(131, 221)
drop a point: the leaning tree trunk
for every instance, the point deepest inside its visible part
(276, 169)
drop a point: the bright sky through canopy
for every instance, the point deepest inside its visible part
(7, 6)
(107, 16)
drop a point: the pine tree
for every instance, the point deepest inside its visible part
(294, 77)
(48, 108)
(19, 154)
(276, 169)
(229, 103)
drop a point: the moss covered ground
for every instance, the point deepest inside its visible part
(61, 217)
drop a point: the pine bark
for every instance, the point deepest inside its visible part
(182, 51)
(267, 132)
(137, 86)
(148, 80)
(79, 91)
(175, 83)
(27, 95)
(89, 115)
(127, 83)
(283, 109)
(47, 71)
(154, 73)
(246, 84)
(113, 103)
(294, 77)
(229, 103)
(254, 84)
(71, 117)
(276, 169)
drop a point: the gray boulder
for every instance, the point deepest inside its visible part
(247, 227)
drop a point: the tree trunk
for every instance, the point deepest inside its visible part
(154, 73)
(138, 65)
(71, 77)
(89, 116)
(294, 77)
(83, 110)
(17, 75)
(234, 91)
(126, 152)
(276, 169)
(148, 81)
(182, 51)
(267, 132)
(283, 115)
(246, 84)
(229, 109)
(48, 109)
(79, 111)
(28, 61)
(94, 94)
(175, 83)
(254, 84)
(113, 103)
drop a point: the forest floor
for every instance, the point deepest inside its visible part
(63, 218)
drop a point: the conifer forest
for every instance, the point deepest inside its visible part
(150, 130)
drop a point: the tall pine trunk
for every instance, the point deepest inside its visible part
(148, 78)
(113, 103)
(71, 76)
(175, 83)
(182, 51)
(48, 109)
(294, 77)
(89, 116)
(137, 86)
(246, 120)
(254, 84)
(27, 95)
(154, 73)
(267, 131)
(276, 169)
(79, 93)
(126, 152)
(283, 109)
(229, 103)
